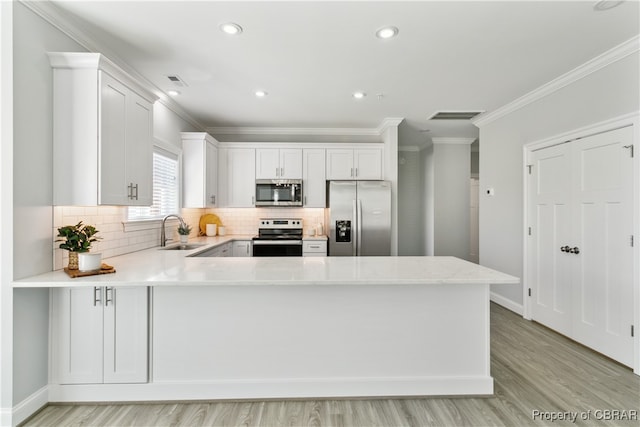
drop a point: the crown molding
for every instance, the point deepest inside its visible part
(349, 132)
(293, 131)
(389, 122)
(453, 141)
(51, 14)
(609, 57)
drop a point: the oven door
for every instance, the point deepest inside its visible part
(277, 248)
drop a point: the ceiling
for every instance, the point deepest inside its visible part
(310, 56)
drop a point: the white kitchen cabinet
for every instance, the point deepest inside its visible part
(314, 248)
(102, 133)
(314, 185)
(237, 177)
(99, 335)
(275, 163)
(242, 248)
(358, 163)
(200, 170)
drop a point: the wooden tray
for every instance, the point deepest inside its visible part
(78, 273)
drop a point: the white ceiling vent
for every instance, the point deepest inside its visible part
(177, 81)
(454, 115)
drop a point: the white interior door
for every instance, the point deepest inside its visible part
(550, 192)
(581, 255)
(603, 226)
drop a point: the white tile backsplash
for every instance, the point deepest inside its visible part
(109, 220)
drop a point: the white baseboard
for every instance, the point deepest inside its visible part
(507, 303)
(275, 389)
(29, 406)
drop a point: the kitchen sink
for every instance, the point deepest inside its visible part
(182, 247)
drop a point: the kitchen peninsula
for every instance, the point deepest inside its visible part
(289, 327)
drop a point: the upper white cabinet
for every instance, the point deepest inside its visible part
(200, 170)
(237, 177)
(314, 185)
(99, 335)
(283, 163)
(102, 133)
(358, 163)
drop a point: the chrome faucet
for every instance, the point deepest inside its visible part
(163, 236)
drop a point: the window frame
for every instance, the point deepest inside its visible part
(153, 223)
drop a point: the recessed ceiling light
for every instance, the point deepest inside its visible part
(173, 92)
(231, 28)
(387, 32)
(359, 95)
(261, 93)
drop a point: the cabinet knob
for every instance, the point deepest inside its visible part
(575, 250)
(565, 248)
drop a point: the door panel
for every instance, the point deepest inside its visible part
(604, 195)
(125, 335)
(374, 199)
(551, 273)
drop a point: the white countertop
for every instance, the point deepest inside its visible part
(159, 267)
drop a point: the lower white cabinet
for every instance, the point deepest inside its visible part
(242, 248)
(314, 248)
(99, 335)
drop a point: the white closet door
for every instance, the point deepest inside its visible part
(581, 258)
(603, 286)
(550, 204)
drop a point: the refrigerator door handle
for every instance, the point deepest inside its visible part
(354, 229)
(359, 227)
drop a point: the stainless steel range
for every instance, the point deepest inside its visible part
(278, 237)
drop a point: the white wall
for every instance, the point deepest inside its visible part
(411, 218)
(428, 186)
(32, 192)
(607, 93)
(452, 168)
(6, 211)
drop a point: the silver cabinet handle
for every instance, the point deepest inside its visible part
(109, 296)
(277, 173)
(356, 172)
(305, 200)
(351, 172)
(213, 200)
(575, 250)
(97, 295)
(253, 200)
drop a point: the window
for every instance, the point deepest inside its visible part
(166, 185)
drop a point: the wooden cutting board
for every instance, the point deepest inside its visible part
(106, 269)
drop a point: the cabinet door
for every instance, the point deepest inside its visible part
(139, 152)
(242, 248)
(339, 164)
(367, 163)
(241, 179)
(211, 176)
(267, 163)
(314, 186)
(125, 334)
(76, 335)
(291, 163)
(226, 250)
(112, 186)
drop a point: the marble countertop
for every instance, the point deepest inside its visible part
(160, 267)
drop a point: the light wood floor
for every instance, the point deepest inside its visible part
(533, 367)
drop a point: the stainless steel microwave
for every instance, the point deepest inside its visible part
(278, 192)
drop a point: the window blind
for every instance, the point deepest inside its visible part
(166, 195)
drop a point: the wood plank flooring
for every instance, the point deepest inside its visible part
(534, 368)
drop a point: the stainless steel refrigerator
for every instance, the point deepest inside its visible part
(359, 218)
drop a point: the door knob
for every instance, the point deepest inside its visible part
(575, 250)
(565, 249)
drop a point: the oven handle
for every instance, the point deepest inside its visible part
(278, 242)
